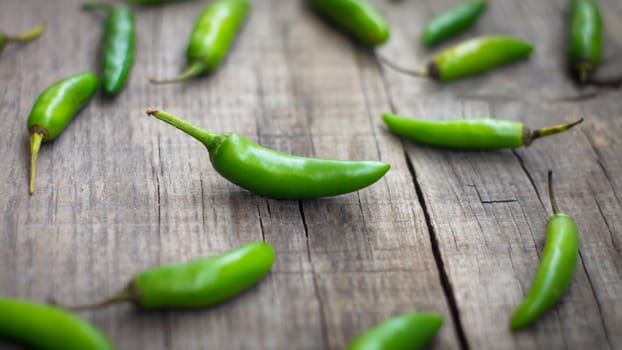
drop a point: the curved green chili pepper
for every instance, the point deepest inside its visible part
(197, 283)
(356, 17)
(46, 327)
(471, 57)
(585, 42)
(275, 174)
(474, 134)
(452, 22)
(119, 46)
(211, 37)
(557, 266)
(408, 331)
(31, 34)
(150, 2)
(54, 109)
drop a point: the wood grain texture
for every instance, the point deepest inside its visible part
(459, 233)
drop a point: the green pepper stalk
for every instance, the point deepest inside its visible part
(197, 283)
(278, 175)
(557, 266)
(29, 35)
(47, 327)
(211, 37)
(470, 134)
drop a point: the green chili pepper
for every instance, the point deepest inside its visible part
(197, 283)
(275, 174)
(119, 46)
(48, 328)
(407, 331)
(471, 57)
(557, 266)
(54, 109)
(585, 44)
(474, 134)
(150, 2)
(452, 22)
(211, 37)
(31, 34)
(356, 17)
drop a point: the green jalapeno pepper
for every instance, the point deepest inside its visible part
(585, 42)
(471, 57)
(54, 109)
(557, 266)
(46, 327)
(31, 34)
(150, 2)
(408, 331)
(119, 46)
(473, 134)
(275, 174)
(211, 37)
(197, 283)
(452, 22)
(357, 17)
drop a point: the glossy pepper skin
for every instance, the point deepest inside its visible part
(357, 17)
(585, 41)
(410, 331)
(119, 46)
(469, 134)
(275, 174)
(29, 35)
(54, 109)
(556, 269)
(212, 36)
(452, 22)
(197, 283)
(46, 327)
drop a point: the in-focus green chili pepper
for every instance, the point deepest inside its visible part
(31, 34)
(197, 283)
(119, 46)
(452, 22)
(586, 39)
(471, 57)
(275, 174)
(54, 109)
(473, 134)
(47, 327)
(557, 266)
(407, 331)
(357, 17)
(211, 37)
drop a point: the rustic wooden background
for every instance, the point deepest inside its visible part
(459, 233)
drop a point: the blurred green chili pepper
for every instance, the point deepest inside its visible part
(473, 134)
(31, 34)
(410, 331)
(557, 266)
(471, 57)
(356, 17)
(197, 283)
(211, 37)
(452, 22)
(119, 46)
(275, 174)
(54, 109)
(585, 42)
(46, 327)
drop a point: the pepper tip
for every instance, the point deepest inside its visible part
(152, 112)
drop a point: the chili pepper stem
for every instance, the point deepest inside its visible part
(420, 73)
(209, 139)
(194, 70)
(531, 135)
(551, 193)
(35, 145)
(96, 6)
(126, 294)
(26, 36)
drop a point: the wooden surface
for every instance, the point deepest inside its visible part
(459, 233)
